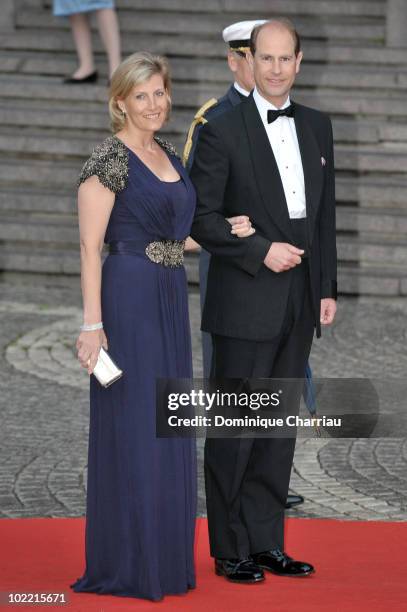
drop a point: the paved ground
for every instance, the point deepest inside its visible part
(44, 409)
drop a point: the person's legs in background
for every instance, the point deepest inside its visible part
(83, 42)
(108, 25)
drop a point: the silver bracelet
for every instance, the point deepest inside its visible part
(92, 327)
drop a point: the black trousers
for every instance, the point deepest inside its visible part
(247, 479)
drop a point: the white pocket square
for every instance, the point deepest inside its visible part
(323, 161)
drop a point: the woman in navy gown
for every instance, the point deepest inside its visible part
(135, 195)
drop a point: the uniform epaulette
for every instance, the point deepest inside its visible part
(198, 118)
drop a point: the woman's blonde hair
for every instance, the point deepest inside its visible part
(135, 69)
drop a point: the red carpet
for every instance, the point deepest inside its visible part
(360, 566)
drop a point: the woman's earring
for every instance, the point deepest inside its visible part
(123, 112)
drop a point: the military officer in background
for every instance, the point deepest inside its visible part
(237, 36)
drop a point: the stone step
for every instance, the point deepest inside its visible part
(352, 278)
(37, 200)
(38, 173)
(364, 232)
(353, 158)
(49, 88)
(37, 89)
(374, 223)
(31, 258)
(58, 211)
(375, 190)
(196, 69)
(93, 115)
(36, 230)
(355, 76)
(188, 92)
(355, 53)
(47, 129)
(60, 42)
(27, 87)
(191, 70)
(353, 102)
(370, 218)
(368, 252)
(311, 75)
(49, 143)
(56, 130)
(368, 151)
(168, 22)
(294, 8)
(356, 280)
(24, 113)
(382, 158)
(71, 142)
(366, 131)
(385, 230)
(63, 145)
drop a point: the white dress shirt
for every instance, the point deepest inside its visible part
(240, 89)
(284, 142)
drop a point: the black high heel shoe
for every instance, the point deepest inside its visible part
(91, 78)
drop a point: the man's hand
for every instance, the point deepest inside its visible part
(282, 256)
(241, 226)
(328, 310)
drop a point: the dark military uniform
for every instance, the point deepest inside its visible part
(208, 111)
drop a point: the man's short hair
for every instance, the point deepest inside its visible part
(286, 23)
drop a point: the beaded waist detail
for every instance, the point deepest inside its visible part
(169, 253)
(166, 252)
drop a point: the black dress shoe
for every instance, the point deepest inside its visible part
(279, 563)
(294, 500)
(244, 571)
(91, 78)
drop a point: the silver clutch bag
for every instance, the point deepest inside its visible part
(106, 371)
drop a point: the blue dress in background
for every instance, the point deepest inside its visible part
(141, 496)
(63, 8)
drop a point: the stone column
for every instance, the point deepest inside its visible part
(396, 23)
(7, 15)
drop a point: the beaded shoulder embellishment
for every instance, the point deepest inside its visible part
(110, 162)
(168, 146)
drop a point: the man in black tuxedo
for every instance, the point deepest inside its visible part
(272, 160)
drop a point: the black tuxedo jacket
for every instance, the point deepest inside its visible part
(235, 173)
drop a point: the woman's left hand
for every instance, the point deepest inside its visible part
(241, 226)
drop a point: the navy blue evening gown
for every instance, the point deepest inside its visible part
(141, 496)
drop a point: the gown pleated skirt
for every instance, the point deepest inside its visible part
(141, 496)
